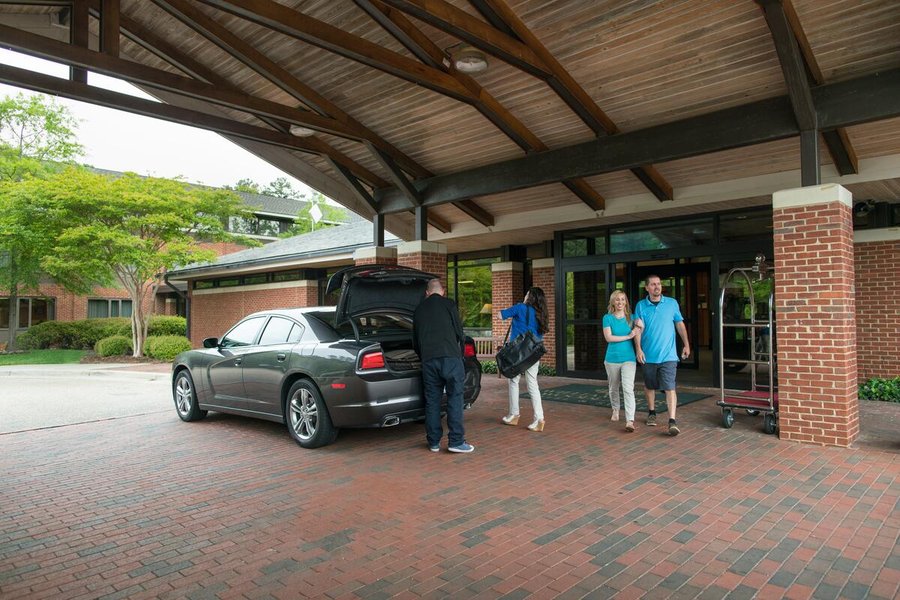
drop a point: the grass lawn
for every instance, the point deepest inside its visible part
(42, 357)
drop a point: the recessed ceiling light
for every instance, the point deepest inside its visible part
(301, 131)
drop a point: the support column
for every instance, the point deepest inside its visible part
(543, 274)
(816, 315)
(430, 257)
(376, 255)
(507, 282)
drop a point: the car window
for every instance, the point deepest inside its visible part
(242, 334)
(278, 331)
(294, 335)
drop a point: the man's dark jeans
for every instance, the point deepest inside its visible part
(437, 374)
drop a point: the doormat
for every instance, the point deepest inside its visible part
(598, 395)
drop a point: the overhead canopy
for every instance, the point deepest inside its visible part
(589, 111)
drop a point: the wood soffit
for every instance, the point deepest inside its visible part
(583, 101)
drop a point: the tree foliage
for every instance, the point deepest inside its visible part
(38, 128)
(128, 231)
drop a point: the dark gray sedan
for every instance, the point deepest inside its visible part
(320, 369)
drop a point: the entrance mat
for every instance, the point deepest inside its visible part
(598, 395)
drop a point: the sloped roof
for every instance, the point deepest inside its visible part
(326, 242)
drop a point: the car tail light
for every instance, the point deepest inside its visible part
(469, 350)
(373, 360)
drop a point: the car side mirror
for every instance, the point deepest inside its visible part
(211, 342)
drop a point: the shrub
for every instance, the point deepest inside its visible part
(166, 347)
(887, 390)
(74, 335)
(114, 345)
(163, 325)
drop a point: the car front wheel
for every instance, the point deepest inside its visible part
(307, 419)
(186, 398)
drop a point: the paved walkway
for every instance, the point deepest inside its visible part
(150, 507)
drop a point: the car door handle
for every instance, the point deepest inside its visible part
(237, 361)
(281, 356)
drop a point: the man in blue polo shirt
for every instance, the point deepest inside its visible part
(656, 319)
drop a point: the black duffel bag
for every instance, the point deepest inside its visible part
(517, 356)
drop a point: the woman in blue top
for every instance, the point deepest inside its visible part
(620, 360)
(529, 315)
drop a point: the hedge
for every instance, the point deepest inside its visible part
(887, 390)
(84, 334)
(490, 367)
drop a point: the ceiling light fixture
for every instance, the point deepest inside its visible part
(301, 131)
(468, 59)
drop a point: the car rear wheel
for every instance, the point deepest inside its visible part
(186, 398)
(307, 419)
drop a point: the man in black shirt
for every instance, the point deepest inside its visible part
(439, 340)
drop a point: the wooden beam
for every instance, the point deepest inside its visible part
(395, 174)
(290, 22)
(571, 92)
(871, 98)
(109, 27)
(791, 64)
(85, 93)
(466, 27)
(354, 184)
(476, 212)
(588, 195)
(40, 46)
(420, 45)
(838, 142)
(247, 54)
(80, 34)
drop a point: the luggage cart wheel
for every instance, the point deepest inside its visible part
(727, 418)
(769, 424)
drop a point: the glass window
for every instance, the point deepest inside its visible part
(4, 313)
(473, 292)
(277, 331)
(41, 310)
(745, 227)
(253, 279)
(243, 334)
(286, 276)
(584, 243)
(203, 285)
(661, 237)
(101, 309)
(230, 282)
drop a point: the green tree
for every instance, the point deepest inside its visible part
(37, 127)
(282, 188)
(36, 137)
(248, 186)
(129, 230)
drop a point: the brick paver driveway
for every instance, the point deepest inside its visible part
(148, 506)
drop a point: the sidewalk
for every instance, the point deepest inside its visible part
(150, 507)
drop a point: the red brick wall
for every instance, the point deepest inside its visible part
(545, 278)
(71, 307)
(816, 319)
(213, 314)
(430, 262)
(508, 289)
(376, 255)
(877, 315)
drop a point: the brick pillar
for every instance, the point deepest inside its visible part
(430, 257)
(815, 315)
(507, 281)
(876, 256)
(543, 275)
(375, 255)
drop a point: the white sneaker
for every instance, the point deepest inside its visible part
(615, 414)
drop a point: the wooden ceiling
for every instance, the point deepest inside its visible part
(591, 111)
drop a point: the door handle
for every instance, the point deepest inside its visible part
(281, 356)
(237, 361)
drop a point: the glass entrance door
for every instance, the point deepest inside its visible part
(585, 295)
(689, 284)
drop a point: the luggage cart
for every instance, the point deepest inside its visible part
(747, 336)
